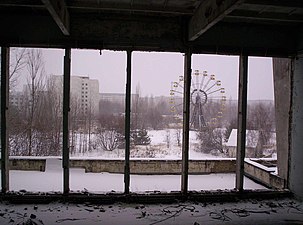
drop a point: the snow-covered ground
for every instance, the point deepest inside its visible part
(164, 145)
(51, 181)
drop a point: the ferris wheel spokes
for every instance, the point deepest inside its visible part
(205, 92)
(209, 93)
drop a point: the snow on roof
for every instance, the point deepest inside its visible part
(252, 137)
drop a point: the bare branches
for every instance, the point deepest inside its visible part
(108, 139)
(17, 64)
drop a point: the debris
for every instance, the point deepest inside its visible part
(89, 210)
(69, 219)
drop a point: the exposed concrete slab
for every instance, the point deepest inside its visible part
(286, 211)
(263, 174)
(281, 73)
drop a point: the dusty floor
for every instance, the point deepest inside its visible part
(286, 211)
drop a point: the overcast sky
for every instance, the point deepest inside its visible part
(154, 72)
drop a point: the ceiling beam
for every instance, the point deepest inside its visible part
(21, 3)
(277, 3)
(208, 14)
(265, 16)
(108, 6)
(58, 11)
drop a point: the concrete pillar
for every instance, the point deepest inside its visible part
(296, 142)
(282, 74)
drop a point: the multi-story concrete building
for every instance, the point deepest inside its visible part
(84, 92)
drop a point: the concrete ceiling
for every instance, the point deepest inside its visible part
(255, 27)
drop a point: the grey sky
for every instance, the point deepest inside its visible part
(155, 71)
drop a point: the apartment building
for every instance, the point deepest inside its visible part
(84, 92)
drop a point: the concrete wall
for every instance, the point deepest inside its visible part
(136, 166)
(263, 175)
(27, 164)
(249, 152)
(296, 143)
(155, 166)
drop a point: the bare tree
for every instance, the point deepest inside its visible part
(17, 137)
(178, 136)
(35, 87)
(261, 117)
(153, 114)
(31, 124)
(108, 139)
(75, 115)
(53, 113)
(210, 140)
(167, 138)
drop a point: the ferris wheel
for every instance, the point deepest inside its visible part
(207, 100)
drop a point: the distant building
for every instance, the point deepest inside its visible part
(253, 144)
(113, 97)
(84, 92)
(116, 97)
(16, 99)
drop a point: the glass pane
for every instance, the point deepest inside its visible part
(214, 102)
(156, 131)
(261, 151)
(35, 120)
(97, 121)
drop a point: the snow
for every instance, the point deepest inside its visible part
(51, 181)
(164, 145)
(258, 165)
(265, 212)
